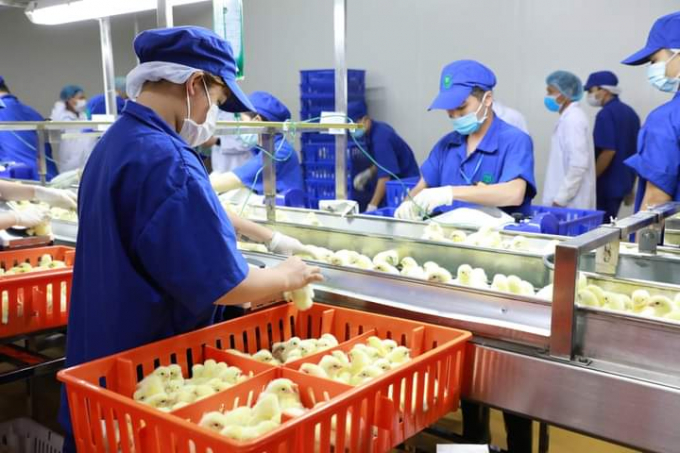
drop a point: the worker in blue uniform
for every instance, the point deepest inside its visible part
(250, 174)
(393, 155)
(615, 137)
(657, 161)
(21, 146)
(156, 250)
(483, 160)
(96, 105)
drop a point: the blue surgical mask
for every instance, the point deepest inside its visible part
(656, 74)
(469, 124)
(358, 133)
(551, 103)
(250, 140)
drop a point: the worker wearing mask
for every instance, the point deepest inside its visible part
(250, 175)
(615, 138)
(657, 161)
(72, 152)
(97, 103)
(570, 175)
(32, 216)
(21, 146)
(156, 250)
(484, 160)
(390, 151)
(228, 151)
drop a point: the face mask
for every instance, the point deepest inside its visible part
(80, 106)
(551, 103)
(249, 140)
(469, 124)
(358, 133)
(593, 101)
(656, 74)
(195, 134)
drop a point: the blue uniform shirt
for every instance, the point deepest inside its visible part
(21, 146)
(288, 171)
(97, 105)
(391, 151)
(155, 247)
(616, 128)
(504, 154)
(658, 156)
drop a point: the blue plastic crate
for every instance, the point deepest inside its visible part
(324, 102)
(325, 189)
(325, 152)
(571, 222)
(320, 80)
(396, 191)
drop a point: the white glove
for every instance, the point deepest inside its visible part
(371, 207)
(362, 179)
(286, 245)
(407, 211)
(56, 197)
(429, 199)
(30, 217)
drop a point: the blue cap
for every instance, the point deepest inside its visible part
(457, 81)
(69, 91)
(567, 83)
(665, 34)
(198, 48)
(357, 110)
(268, 107)
(600, 78)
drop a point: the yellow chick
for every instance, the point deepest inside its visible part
(342, 358)
(587, 298)
(313, 370)
(214, 421)
(598, 292)
(266, 408)
(239, 416)
(366, 374)
(385, 267)
(613, 301)
(515, 284)
(302, 298)
(362, 262)
(377, 344)
(407, 262)
(383, 364)
(434, 232)
(439, 275)
(464, 275)
(414, 272)
(359, 360)
(327, 340)
(175, 371)
(527, 289)
(263, 356)
(661, 305)
(286, 391)
(331, 366)
(400, 355)
(430, 266)
(640, 298)
(458, 236)
(390, 257)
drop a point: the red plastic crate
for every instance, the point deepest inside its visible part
(99, 391)
(26, 306)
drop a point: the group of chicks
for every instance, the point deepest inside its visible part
(243, 423)
(292, 349)
(46, 263)
(167, 390)
(639, 302)
(363, 363)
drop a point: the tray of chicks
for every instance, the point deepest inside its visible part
(29, 280)
(286, 411)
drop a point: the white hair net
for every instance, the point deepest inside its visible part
(567, 83)
(153, 71)
(612, 89)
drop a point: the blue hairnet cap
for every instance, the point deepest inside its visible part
(457, 81)
(600, 78)
(357, 110)
(119, 83)
(268, 107)
(567, 83)
(197, 48)
(665, 34)
(69, 91)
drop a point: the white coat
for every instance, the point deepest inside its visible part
(570, 176)
(510, 116)
(232, 152)
(72, 153)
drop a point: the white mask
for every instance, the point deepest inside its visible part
(593, 101)
(80, 106)
(196, 134)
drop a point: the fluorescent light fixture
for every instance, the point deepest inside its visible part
(75, 11)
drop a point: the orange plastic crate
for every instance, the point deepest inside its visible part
(37, 300)
(99, 391)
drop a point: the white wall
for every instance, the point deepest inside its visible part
(402, 43)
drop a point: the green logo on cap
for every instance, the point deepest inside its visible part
(447, 82)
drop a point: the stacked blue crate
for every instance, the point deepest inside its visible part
(317, 94)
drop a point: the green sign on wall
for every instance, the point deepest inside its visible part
(228, 23)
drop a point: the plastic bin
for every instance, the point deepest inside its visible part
(571, 222)
(396, 191)
(35, 301)
(23, 435)
(323, 80)
(99, 391)
(325, 152)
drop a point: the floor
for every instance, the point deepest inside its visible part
(14, 404)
